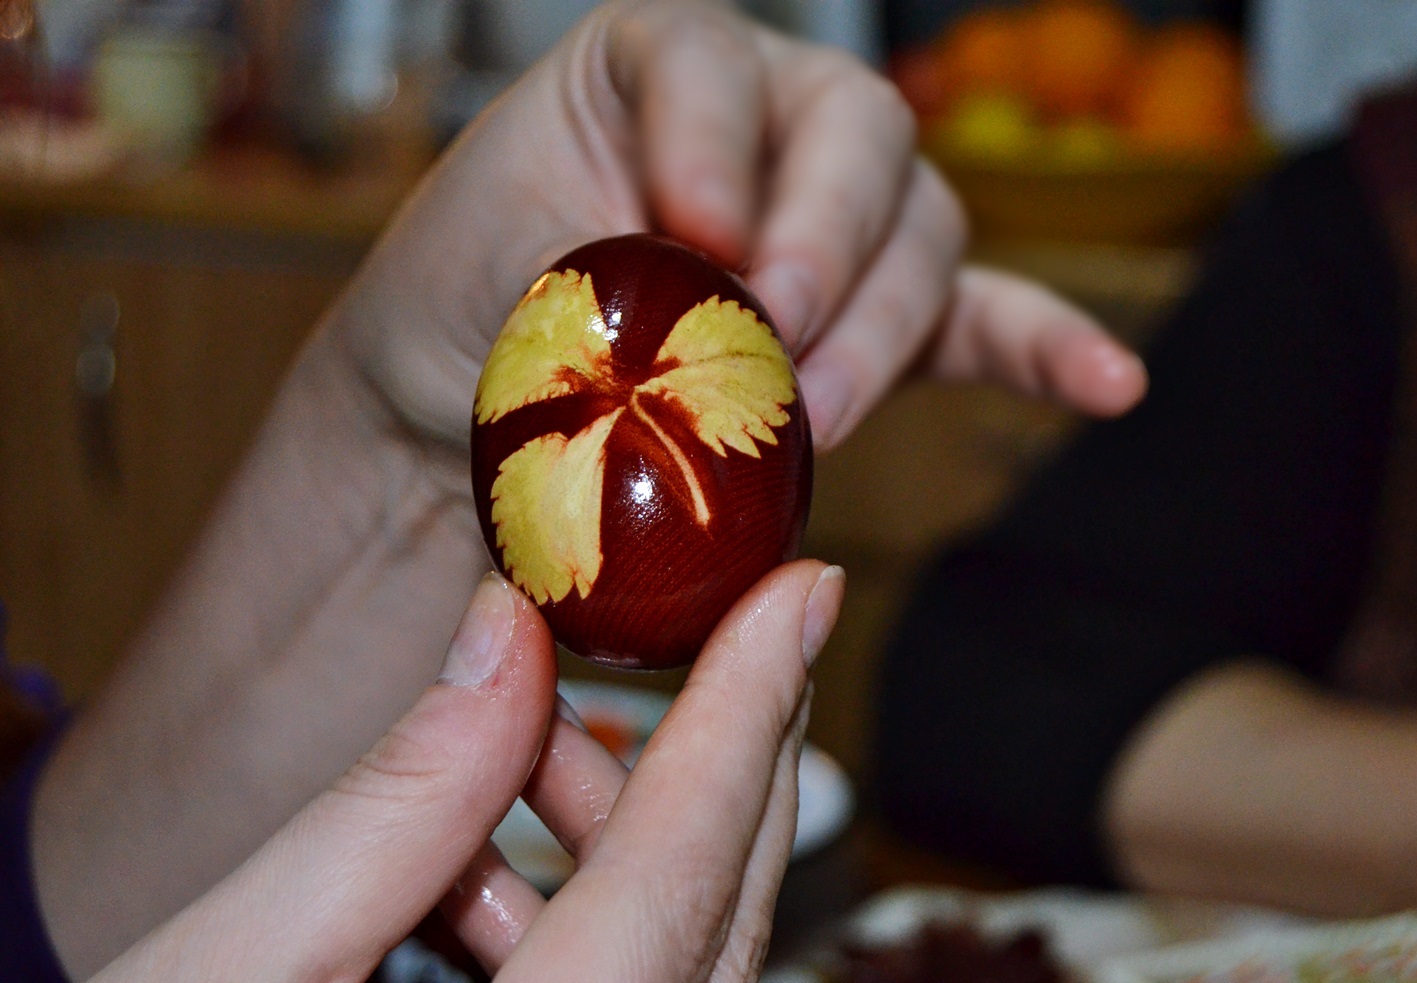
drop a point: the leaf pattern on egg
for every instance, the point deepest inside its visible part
(719, 364)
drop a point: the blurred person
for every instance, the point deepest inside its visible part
(316, 605)
(1185, 659)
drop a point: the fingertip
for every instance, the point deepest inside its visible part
(1075, 361)
(1128, 381)
(1106, 380)
(791, 292)
(710, 220)
(778, 605)
(828, 393)
(795, 578)
(483, 637)
(524, 672)
(531, 634)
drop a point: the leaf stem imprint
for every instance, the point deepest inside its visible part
(701, 509)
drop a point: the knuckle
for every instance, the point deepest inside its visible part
(401, 767)
(743, 958)
(691, 903)
(838, 66)
(891, 109)
(696, 25)
(869, 96)
(899, 330)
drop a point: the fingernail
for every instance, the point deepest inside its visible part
(1135, 362)
(1114, 364)
(828, 391)
(822, 606)
(483, 636)
(568, 714)
(789, 292)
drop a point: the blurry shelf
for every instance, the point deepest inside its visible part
(260, 188)
(237, 188)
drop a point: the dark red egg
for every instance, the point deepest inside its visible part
(640, 454)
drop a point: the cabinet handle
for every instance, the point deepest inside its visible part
(95, 372)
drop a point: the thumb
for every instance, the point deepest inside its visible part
(351, 875)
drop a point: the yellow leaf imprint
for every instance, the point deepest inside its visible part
(546, 505)
(696, 491)
(727, 371)
(555, 333)
(732, 376)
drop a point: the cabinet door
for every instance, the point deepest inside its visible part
(135, 366)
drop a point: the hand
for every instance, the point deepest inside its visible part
(1250, 783)
(349, 534)
(794, 163)
(678, 866)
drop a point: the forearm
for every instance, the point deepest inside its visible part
(314, 608)
(1250, 784)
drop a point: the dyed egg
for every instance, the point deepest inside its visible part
(640, 454)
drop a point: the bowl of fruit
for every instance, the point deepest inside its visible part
(1070, 120)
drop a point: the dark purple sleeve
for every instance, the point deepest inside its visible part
(25, 949)
(26, 954)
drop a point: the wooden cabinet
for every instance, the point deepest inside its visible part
(102, 486)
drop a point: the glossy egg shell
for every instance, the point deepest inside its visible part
(676, 547)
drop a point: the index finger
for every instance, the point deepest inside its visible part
(670, 861)
(694, 76)
(843, 147)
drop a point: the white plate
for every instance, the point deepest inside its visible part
(825, 797)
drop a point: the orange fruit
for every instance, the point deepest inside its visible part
(983, 53)
(1189, 92)
(980, 53)
(1081, 55)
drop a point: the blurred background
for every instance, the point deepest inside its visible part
(185, 184)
